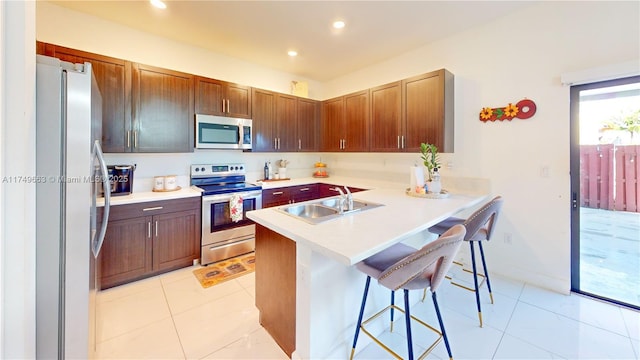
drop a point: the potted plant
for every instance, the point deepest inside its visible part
(429, 155)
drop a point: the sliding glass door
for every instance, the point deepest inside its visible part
(605, 185)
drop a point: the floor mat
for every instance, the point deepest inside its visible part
(225, 270)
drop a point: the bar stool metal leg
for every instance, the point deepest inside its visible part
(475, 281)
(408, 323)
(486, 273)
(364, 301)
(393, 294)
(444, 333)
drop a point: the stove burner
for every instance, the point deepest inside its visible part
(221, 178)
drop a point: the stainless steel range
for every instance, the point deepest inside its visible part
(222, 237)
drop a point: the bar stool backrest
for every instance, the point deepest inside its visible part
(426, 266)
(483, 220)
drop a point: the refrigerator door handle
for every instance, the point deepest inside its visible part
(106, 184)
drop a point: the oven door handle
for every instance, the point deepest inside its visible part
(234, 243)
(208, 199)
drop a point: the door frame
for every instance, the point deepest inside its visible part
(574, 135)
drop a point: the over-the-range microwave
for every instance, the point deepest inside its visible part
(219, 132)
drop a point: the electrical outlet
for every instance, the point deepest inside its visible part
(507, 238)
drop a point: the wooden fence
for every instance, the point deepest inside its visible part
(610, 177)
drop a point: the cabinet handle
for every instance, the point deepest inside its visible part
(228, 106)
(135, 139)
(278, 143)
(275, 143)
(128, 139)
(149, 229)
(334, 189)
(152, 208)
(223, 110)
(156, 228)
(398, 141)
(403, 141)
(299, 144)
(304, 189)
(277, 193)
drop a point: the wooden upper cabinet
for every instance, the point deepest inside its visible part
(162, 102)
(216, 97)
(428, 110)
(386, 118)
(332, 124)
(113, 77)
(264, 120)
(356, 118)
(286, 116)
(307, 124)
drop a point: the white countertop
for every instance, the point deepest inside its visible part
(146, 196)
(354, 237)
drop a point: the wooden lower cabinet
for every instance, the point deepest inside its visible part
(276, 286)
(146, 239)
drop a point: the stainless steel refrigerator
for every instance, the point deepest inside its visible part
(69, 170)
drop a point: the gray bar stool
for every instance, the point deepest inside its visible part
(479, 228)
(404, 267)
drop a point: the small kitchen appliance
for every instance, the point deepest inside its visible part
(221, 132)
(223, 235)
(121, 178)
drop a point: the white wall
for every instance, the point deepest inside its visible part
(519, 56)
(61, 26)
(17, 197)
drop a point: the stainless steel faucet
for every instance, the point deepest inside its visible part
(345, 199)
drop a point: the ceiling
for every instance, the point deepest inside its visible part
(262, 32)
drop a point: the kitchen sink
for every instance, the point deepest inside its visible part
(310, 211)
(322, 210)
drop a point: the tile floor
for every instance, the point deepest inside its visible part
(172, 317)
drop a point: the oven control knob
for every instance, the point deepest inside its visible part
(241, 167)
(202, 169)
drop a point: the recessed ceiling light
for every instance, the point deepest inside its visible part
(158, 3)
(338, 24)
(292, 53)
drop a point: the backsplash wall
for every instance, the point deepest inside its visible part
(392, 167)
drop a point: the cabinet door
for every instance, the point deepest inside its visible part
(113, 77)
(126, 252)
(286, 111)
(356, 122)
(238, 100)
(175, 239)
(209, 95)
(307, 125)
(163, 110)
(264, 120)
(216, 97)
(424, 110)
(332, 124)
(386, 118)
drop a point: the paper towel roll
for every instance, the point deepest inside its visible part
(416, 177)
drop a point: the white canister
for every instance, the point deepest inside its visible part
(158, 183)
(283, 172)
(170, 182)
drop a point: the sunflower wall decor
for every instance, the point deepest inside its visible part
(523, 109)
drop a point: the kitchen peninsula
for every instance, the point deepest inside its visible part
(307, 289)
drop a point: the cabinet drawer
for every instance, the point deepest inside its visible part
(275, 197)
(303, 192)
(127, 211)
